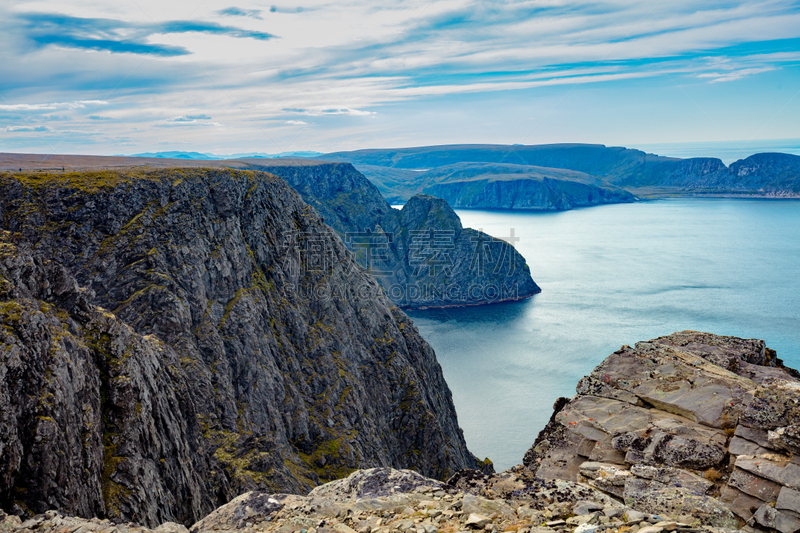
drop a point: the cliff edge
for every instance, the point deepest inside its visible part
(173, 338)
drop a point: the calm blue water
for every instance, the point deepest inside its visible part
(613, 275)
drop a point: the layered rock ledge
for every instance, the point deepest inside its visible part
(681, 424)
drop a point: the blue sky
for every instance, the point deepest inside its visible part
(98, 77)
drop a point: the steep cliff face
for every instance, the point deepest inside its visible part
(527, 194)
(420, 255)
(227, 341)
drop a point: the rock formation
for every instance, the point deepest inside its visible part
(173, 338)
(691, 425)
(420, 255)
(689, 433)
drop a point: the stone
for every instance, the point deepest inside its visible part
(677, 503)
(651, 529)
(585, 507)
(758, 436)
(772, 518)
(756, 486)
(742, 446)
(772, 467)
(743, 505)
(632, 515)
(788, 500)
(476, 521)
(587, 528)
(667, 525)
(673, 476)
(171, 527)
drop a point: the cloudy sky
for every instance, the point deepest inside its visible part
(99, 77)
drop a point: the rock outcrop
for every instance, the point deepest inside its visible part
(420, 255)
(173, 338)
(692, 425)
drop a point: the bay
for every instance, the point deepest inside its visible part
(612, 275)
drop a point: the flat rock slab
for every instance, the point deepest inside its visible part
(771, 467)
(677, 503)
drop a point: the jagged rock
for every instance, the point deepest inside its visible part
(677, 407)
(225, 341)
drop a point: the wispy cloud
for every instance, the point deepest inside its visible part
(23, 129)
(80, 104)
(400, 64)
(119, 36)
(189, 120)
(330, 111)
(237, 12)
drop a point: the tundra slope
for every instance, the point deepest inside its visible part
(207, 353)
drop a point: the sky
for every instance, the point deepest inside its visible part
(225, 77)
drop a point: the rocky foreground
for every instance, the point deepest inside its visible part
(691, 432)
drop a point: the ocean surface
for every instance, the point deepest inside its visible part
(612, 275)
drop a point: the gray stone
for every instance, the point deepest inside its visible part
(763, 489)
(772, 467)
(789, 500)
(651, 529)
(772, 518)
(476, 521)
(741, 446)
(741, 504)
(673, 476)
(677, 503)
(759, 436)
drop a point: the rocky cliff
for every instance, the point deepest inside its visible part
(420, 255)
(693, 425)
(689, 433)
(224, 340)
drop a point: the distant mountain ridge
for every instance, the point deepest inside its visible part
(605, 171)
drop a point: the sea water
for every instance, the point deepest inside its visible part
(612, 275)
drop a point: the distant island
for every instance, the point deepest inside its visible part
(564, 176)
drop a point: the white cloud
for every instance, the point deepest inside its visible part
(296, 122)
(319, 111)
(733, 75)
(80, 104)
(22, 129)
